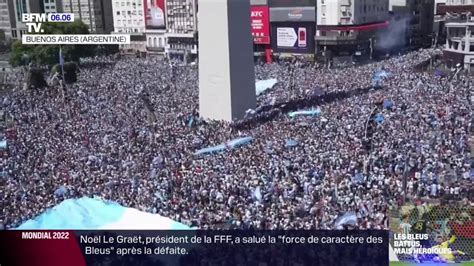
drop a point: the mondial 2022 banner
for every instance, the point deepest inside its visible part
(155, 14)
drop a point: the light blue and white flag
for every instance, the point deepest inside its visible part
(61, 57)
(93, 213)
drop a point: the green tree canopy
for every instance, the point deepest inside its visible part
(49, 54)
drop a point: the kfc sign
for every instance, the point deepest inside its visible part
(257, 14)
(259, 20)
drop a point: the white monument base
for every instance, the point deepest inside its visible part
(226, 67)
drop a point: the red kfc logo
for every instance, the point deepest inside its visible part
(259, 19)
(257, 14)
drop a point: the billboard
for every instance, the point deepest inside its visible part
(290, 37)
(260, 27)
(291, 3)
(292, 14)
(154, 14)
(293, 37)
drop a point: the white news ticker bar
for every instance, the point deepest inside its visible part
(60, 17)
(76, 39)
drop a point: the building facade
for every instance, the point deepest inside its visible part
(459, 2)
(11, 26)
(129, 18)
(18, 28)
(5, 25)
(459, 27)
(416, 19)
(292, 26)
(181, 29)
(97, 14)
(52, 6)
(155, 24)
(348, 27)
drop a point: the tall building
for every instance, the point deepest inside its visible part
(97, 14)
(181, 28)
(5, 25)
(348, 27)
(155, 24)
(18, 28)
(129, 17)
(416, 18)
(52, 6)
(459, 2)
(459, 28)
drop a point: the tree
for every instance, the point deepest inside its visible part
(19, 53)
(49, 54)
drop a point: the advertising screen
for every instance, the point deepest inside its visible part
(155, 14)
(293, 37)
(259, 20)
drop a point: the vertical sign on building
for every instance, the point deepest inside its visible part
(259, 21)
(154, 14)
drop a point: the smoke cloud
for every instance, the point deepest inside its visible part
(395, 35)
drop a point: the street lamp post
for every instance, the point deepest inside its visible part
(405, 180)
(371, 47)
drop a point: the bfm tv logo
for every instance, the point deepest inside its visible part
(33, 21)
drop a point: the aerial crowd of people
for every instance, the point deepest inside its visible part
(128, 131)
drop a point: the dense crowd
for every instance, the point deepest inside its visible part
(122, 133)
